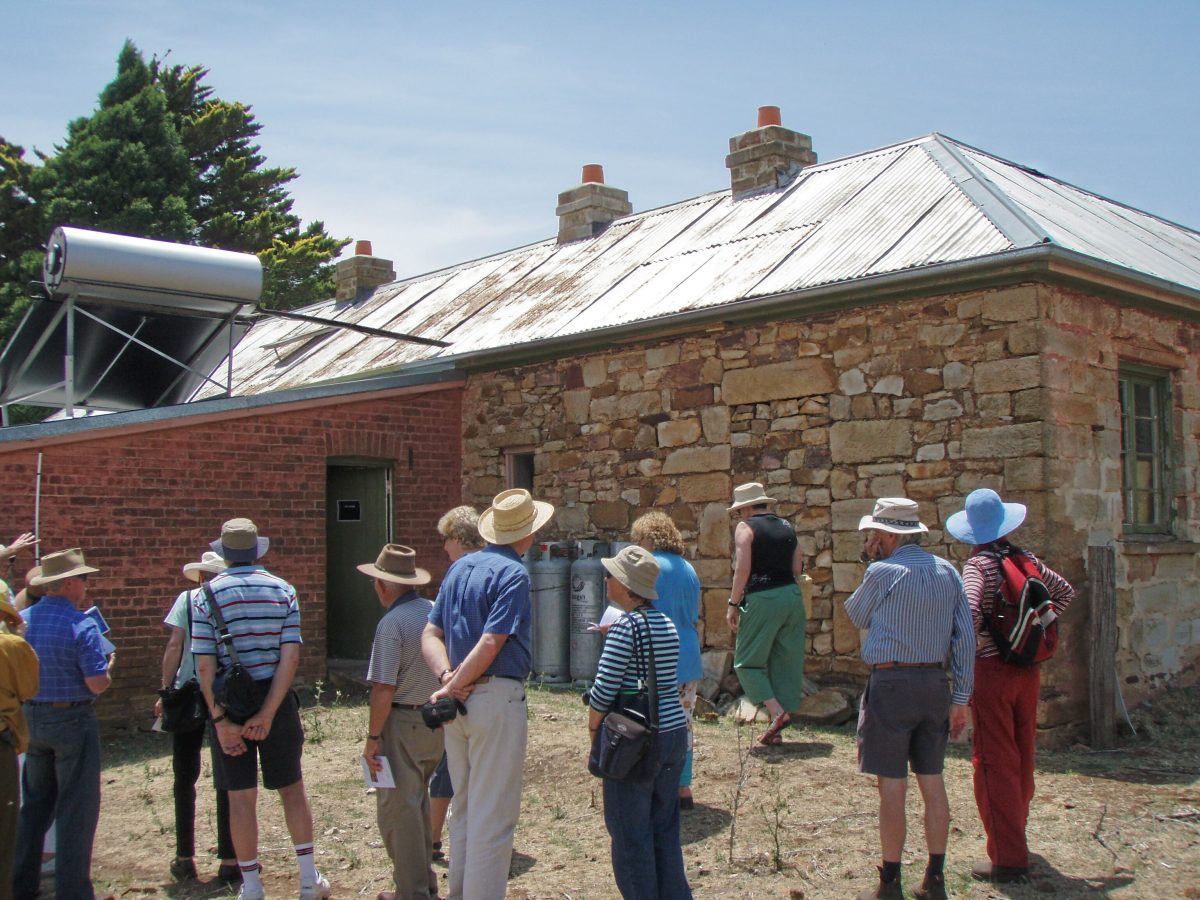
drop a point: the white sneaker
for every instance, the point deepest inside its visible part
(318, 890)
(244, 893)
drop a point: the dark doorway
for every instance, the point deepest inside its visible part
(358, 522)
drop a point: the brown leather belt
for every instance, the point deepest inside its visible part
(484, 679)
(903, 665)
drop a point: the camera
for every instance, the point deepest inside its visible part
(436, 714)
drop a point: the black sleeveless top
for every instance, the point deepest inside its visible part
(771, 553)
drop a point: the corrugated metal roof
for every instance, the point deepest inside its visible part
(915, 204)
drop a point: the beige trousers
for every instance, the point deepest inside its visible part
(413, 751)
(486, 752)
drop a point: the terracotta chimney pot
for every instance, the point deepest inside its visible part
(768, 115)
(362, 248)
(593, 173)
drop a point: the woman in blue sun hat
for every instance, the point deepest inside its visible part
(1006, 696)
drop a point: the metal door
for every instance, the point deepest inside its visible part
(358, 522)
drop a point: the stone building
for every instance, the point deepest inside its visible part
(923, 320)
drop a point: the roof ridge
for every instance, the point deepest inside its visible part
(1008, 216)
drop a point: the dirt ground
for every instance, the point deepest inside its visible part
(1124, 823)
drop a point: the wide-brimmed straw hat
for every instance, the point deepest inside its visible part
(898, 515)
(749, 494)
(239, 542)
(61, 565)
(210, 564)
(636, 568)
(513, 515)
(397, 564)
(985, 518)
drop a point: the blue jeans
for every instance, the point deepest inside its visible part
(61, 782)
(643, 822)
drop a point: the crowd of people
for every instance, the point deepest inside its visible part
(447, 709)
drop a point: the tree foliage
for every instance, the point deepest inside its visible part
(161, 157)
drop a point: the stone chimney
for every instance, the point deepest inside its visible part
(361, 271)
(767, 158)
(586, 210)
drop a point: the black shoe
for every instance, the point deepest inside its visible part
(229, 873)
(438, 855)
(687, 803)
(183, 869)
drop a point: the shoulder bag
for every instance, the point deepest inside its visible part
(183, 707)
(621, 747)
(238, 693)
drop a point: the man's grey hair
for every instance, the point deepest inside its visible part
(913, 537)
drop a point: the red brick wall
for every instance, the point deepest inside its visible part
(142, 505)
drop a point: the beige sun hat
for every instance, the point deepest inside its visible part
(636, 568)
(61, 565)
(8, 611)
(513, 515)
(398, 564)
(749, 494)
(898, 515)
(210, 564)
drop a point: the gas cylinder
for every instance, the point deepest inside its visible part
(587, 606)
(550, 578)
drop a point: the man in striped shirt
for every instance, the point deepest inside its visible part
(263, 620)
(400, 683)
(915, 611)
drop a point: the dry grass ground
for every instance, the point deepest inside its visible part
(1120, 824)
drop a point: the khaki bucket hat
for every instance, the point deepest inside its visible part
(636, 568)
(749, 494)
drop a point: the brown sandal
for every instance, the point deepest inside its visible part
(771, 737)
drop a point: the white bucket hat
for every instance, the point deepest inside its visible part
(749, 494)
(513, 515)
(898, 515)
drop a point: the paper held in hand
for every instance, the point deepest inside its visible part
(383, 778)
(611, 614)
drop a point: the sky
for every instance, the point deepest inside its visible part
(444, 131)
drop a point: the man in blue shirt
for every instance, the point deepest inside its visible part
(915, 610)
(478, 641)
(61, 781)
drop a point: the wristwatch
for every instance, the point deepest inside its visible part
(442, 675)
(374, 737)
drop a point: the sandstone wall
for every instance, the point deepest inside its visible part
(1158, 577)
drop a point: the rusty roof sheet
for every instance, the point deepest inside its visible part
(919, 203)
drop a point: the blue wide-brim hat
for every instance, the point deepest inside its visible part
(985, 518)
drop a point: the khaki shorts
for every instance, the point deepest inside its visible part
(904, 719)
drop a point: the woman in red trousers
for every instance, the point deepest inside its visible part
(1006, 695)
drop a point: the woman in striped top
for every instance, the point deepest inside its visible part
(1006, 695)
(643, 817)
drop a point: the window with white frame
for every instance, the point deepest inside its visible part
(1145, 448)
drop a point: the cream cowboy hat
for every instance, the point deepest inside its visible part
(397, 564)
(898, 515)
(513, 515)
(62, 565)
(239, 542)
(637, 569)
(210, 564)
(749, 494)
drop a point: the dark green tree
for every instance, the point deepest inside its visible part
(162, 157)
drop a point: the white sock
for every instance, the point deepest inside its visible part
(308, 863)
(251, 876)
